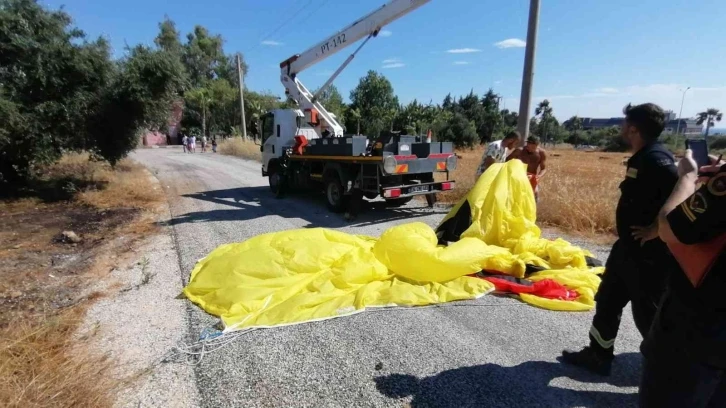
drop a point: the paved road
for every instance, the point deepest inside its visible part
(499, 353)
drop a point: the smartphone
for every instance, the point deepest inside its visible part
(699, 147)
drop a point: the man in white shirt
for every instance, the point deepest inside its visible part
(498, 151)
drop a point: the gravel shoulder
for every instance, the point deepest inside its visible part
(490, 352)
(142, 320)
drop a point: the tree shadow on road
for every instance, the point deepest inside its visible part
(249, 203)
(524, 385)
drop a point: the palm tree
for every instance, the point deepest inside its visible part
(355, 114)
(710, 116)
(255, 111)
(545, 111)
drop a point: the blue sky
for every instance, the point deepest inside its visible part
(593, 56)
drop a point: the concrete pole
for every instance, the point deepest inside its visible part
(241, 97)
(680, 113)
(528, 72)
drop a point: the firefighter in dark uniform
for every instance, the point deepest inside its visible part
(636, 269)
(685, 351)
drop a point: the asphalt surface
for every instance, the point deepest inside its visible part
(493, 352)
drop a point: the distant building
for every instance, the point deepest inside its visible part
(687, 126)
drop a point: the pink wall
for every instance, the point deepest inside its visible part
(158, 138)
(154, 139)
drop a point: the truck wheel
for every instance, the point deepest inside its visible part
(397, 202)
(334, 194)
(371, 196)
(431, 199)
(276, 181)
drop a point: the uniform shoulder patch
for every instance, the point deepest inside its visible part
(717, 185)
(698, 203)
(632, 172)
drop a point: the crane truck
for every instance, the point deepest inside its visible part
(305, 148)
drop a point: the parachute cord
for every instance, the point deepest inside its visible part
(217, 340)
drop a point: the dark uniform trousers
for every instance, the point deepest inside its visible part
(630, 278)
(671, 377)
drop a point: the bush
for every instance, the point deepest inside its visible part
(717, 143)
(459, 130)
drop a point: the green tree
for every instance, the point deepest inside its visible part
(51, 81)
(168, 37)
(458, 130)
(333, 102)
(710, 116)
(490, 120)
(203, 56)
(376, 102)
(546, 120)
(574, 125)
(140, 97)
(354, 114)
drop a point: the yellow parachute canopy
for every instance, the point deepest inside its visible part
(304, 275)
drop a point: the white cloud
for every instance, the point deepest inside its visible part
(384, 33)
(395, 65)
(607, 90)
(391, 60)
(463, 50)
(271, 43)
(461, 63)
(511, 43)
(497, 82)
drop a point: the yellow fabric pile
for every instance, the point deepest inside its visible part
(313, 274)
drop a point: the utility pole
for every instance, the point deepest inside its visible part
(680, 113)
(528, 72)
(241, 97)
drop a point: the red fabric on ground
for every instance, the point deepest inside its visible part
(546, 288)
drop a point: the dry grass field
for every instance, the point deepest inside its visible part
(578, 194)
(237, 146)
(45, 280)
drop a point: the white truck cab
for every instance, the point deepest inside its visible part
(280, 126)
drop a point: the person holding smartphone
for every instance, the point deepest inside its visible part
(685, 350)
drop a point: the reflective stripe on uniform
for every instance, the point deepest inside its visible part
(606, 344)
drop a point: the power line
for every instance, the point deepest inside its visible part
(295, 14)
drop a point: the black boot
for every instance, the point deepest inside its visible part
(591, 359)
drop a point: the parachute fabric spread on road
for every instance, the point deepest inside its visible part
(305, 275)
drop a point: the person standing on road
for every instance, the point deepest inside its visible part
(214, 145)
(192, 144)
(498, 151)
(638, 264)
(204, 143)
(535, 158)
(685, 350)
(185, 143)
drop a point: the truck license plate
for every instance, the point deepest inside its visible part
(418, 189)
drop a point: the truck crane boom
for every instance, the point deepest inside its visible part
(366, 27)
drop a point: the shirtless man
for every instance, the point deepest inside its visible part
(535, 158)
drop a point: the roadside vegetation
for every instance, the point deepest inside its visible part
(238, 146)
(72, 206)
(55, 248)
